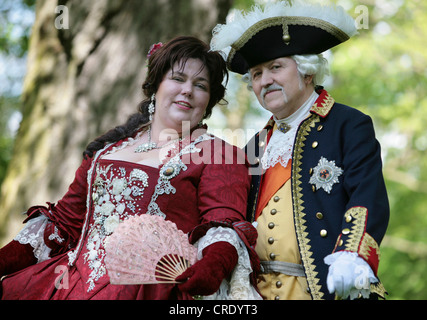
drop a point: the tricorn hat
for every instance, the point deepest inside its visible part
(280, 30)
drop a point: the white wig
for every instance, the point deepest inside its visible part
(312, 65)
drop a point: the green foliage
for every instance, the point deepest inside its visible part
(5, 154)
(8, 105)
(15, 28)
(402, 267)
(14, 31)
(382, 71)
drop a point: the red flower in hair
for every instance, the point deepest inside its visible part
(154, 48)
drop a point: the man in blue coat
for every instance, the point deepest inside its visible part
(318, 197)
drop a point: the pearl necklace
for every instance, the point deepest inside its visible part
(151, 145)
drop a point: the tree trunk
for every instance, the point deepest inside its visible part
(86, 64)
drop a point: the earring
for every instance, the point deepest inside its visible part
(151, 107)
(201, 124)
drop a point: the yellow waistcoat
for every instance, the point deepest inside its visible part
(277, 241)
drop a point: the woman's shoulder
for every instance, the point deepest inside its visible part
(223, 152)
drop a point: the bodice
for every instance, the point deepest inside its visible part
(120, 189)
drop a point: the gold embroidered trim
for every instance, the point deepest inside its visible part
(285, 22)
(325, 106)
(300, 222)
(367, 246)
(231, 57)
(358, 218)
(254, 29)
(379, 289)
(359, 241)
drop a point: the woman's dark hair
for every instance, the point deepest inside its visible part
(179, 50)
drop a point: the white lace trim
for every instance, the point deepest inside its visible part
(115, 195)
(239, 287)
(280, 146)
(32, 234)
(279, 149)
(72, 255)
(163, 187)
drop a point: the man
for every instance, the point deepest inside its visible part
(318, 197)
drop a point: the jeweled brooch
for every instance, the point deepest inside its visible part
(325, 174)
(170, 171)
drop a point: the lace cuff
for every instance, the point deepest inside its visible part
(33, 234)
(239, 287)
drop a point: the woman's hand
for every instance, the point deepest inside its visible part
(205, 276)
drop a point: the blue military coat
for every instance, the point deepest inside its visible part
(338, 191)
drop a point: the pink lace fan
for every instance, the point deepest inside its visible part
(147, 249)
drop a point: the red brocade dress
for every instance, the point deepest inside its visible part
(202, 184)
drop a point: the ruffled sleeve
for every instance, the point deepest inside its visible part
(33, 234)
(239, 287)
(58, 226)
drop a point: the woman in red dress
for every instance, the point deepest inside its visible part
(161, 162)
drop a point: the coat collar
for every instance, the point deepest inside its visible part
(322, 106)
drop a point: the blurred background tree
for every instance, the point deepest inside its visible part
(16, 20)
(86, 64)
(76, 78)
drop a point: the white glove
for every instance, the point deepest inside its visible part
(349, 275)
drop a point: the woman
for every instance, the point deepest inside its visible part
(160, 162)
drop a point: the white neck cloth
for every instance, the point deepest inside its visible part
(280, 146)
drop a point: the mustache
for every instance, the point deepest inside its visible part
(273, 87)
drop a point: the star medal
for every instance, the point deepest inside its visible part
(325, 175)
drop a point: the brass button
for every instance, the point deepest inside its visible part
(276, 199)
(310, 171)
(320, 128)
(313, 187)
(323, 233)
(276, 298)
(286, 38)
(340, 243)
(278, 284)
(315, 144)
(256, 160)
(346, 231)
(271, 240)
(273, 211)
(319, 215)
(272, 256)
(348, 219)
(271, 225)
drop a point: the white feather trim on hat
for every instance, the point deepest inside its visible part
(224, 35)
